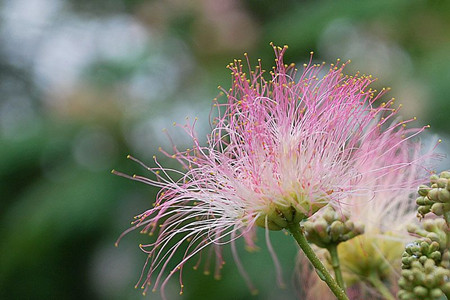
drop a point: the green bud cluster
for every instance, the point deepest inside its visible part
(435, 198)
(421, 250)
(424, 280)
(331, 228)
(426, 262)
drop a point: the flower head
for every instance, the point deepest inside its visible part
(280, 149)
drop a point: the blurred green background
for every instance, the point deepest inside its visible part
(83, 83)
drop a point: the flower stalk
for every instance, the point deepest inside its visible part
(336, 265)
(298, 235)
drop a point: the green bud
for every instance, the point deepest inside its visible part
(308, 226)
(434, 246)
(420, 201)
(420, 291)
(433, 236)
(423, 190)
(430, 280)
(406, 260)
(405, 295)
(436, 293)
(441, 182)
(436, 256)
(429, 265)
(444, 195)
(423, 210)
(433, 194)
(408, 274)
(437, 209)
(429, 225)
(434, 178)
(441, 272)
(423, 259)
(336, 229)
(330, 215)
(445, 174)
(320, 226)
(412, 228)
(349, 225)
(424, 247)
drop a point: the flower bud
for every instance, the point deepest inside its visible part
(420, 291)
(434, 178)
(444, 195)
(445, 174)
(320, 226)
(308, 226)
(437, 209)
(434, 246)
(423, 190)
(349, 225)
(423, 210)
(433, 236)
(436, 293)
(329, 215)
(336, 229)
(441, 182)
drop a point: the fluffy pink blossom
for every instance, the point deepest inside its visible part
(280, 149)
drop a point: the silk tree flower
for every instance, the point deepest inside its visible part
(280, 148)
(373, 260)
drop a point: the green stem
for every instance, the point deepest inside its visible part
(380, 287)
(336, 265)
(298, 235)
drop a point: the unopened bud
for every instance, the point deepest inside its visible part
(429, 265)
(441, 182)
(336, 229)
(433, 194)
(308, 226)
(424, 247)
(421, 201)
(423, 210)
(444, 195)
(349, 225)
(329, 215)
(420, 291)
(433, 236)
(320, 226)
(436, 293)
(437, 209)
(423, 190)
(434, 178)
(445, 174)
(434, 246)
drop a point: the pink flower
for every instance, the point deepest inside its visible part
(279, 150)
